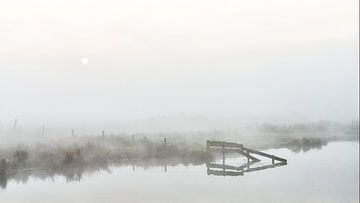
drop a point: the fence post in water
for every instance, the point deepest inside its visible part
(223, 151)
(165, 165)
(165, 145)
(272, 160)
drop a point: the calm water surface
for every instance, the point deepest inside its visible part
(329, 174)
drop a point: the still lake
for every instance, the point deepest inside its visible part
(329, 174)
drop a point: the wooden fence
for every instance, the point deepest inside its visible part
(235, 147)
(229, 170)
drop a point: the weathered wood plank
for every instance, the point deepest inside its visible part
(235, 147)
(265, 155)
(221, 144)
(229, 167)
(264, 167)
(247, 165)
(227, 150)
(248, 155)
(224, 173)
(221, 166)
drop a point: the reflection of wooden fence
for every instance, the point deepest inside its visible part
(226, 170)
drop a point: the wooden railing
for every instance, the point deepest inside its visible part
(229, 170)
(235, 147)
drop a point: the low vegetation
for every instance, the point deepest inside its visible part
(73, 156)
(89, 154)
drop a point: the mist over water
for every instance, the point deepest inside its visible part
(179, 101)
(283, 184)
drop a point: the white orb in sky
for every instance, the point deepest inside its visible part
(84, 60)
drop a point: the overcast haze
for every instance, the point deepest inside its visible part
(147, 59)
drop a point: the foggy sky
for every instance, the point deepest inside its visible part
(227, 58)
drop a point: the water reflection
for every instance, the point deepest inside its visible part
(211, 169)
(23, 176)
(231, 170)
(77, 172)
(296, 182)
(303, 145)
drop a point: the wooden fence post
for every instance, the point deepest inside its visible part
(164, 146)
(223, 146)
